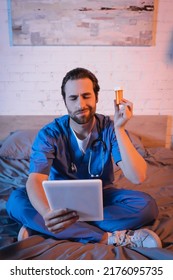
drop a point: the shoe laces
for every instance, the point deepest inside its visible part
(128, 238)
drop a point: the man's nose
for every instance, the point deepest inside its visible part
(81, 102)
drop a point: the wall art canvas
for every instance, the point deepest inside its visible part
(81, 22)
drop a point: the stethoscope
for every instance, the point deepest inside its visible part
(93, 150)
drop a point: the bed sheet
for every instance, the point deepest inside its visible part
(13, 174)
(159, 184)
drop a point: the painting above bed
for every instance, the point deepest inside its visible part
(85, 22)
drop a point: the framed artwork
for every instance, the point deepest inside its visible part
(81, 22)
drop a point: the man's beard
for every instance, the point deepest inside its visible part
(82, 119)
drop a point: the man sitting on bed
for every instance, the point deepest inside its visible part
(61, 151)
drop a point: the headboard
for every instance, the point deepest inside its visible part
(151, 129)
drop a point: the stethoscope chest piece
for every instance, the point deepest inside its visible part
(73, 167)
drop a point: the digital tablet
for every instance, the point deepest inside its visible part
(83, 196)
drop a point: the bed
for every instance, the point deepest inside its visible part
(149, 135)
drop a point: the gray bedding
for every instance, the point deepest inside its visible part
(13, 174)
(159, 184)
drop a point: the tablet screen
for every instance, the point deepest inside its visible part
(83, 196)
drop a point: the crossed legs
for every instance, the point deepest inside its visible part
(123, 209)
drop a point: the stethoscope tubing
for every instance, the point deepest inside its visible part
(93, 144)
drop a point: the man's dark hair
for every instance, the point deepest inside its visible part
(80, 73)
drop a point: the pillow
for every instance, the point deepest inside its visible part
(1, 142)
(18, 144)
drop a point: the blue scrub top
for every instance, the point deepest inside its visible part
(56, 147)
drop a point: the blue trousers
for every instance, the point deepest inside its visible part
(123, 209)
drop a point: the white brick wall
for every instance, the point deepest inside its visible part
(30, 77)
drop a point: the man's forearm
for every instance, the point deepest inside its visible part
(133, 165)
(36, 193)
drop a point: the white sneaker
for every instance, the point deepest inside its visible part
(135, 238)
(24, 233)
